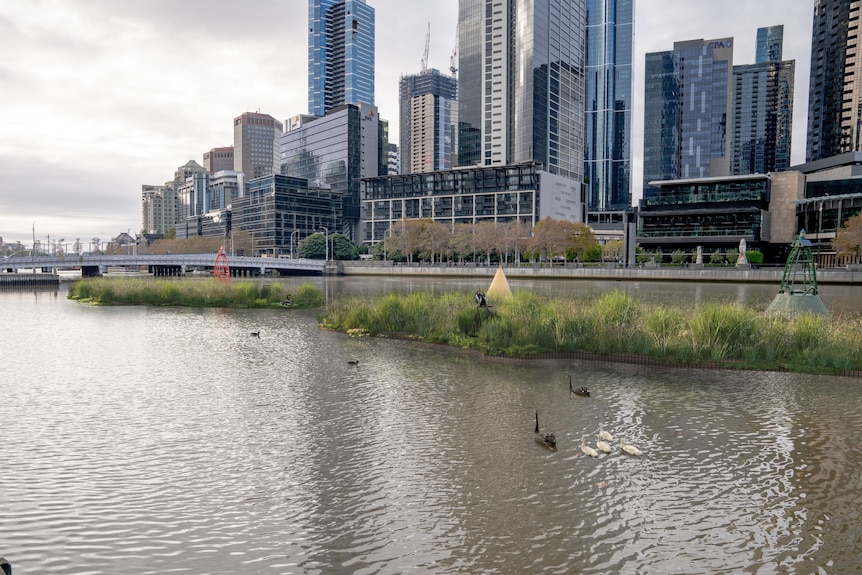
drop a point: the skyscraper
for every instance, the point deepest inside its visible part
(607, 157)
(256, 144)
(688, 103)
(428, 122)
(835, 86)
(770, 44)
(763, 108)
(522, 83)
(340, 54)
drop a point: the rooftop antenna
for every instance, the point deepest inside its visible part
(427, 43)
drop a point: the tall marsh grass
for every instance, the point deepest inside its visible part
(611, 323)
(191, 293)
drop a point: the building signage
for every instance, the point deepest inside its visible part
(724, 43)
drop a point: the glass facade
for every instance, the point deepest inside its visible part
(340, 54)
(762, 117)
(835, 87)
(607, 153)
(691, 213)
(770, 44)
(661, 123)
(498, 194)
(522, 84)
(697, 92)
(335, 151)
(428, 122)
(276, 206)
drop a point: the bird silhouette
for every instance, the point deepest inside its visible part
(255, 334)
(353, 362)
(549, 440)
(582, 391)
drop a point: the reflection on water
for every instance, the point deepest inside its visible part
(142, 440)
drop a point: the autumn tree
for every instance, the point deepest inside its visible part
(487, 238)
(848, 240)
(461, 241)
(514, 236)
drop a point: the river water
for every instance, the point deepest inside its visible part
(144, 440)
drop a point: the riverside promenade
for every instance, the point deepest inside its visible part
(765, 275)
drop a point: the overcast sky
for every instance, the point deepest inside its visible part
(98, 97)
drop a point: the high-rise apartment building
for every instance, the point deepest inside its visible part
(688, 104)
(428, 122)
(256, 144)
(835, 86)
(340, 54)
(522, 84)
(763, 109)
(607, 154)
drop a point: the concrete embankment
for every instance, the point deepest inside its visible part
(770, 275)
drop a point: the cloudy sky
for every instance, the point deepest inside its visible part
(98, 97)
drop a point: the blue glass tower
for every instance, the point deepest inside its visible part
(770, 41)
(340, 54)
(607, 153)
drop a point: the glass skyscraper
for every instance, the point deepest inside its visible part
(763, 108)
(607, 154)
(340, 54)
(688, 111)
(522, 84)
(835, 86)
(770, 44)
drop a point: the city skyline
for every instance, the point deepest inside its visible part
(102, 99)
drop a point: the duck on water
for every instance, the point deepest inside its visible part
(549, 440)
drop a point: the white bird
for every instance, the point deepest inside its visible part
(587, 449)
(630, 449)
(603, 445)
(605, 435)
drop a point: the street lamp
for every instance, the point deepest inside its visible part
(325, 243)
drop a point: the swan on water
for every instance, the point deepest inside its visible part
(549, 440)
(603, 445)
(630, 449)
(605, 435)
(582, 391)
(587, 449)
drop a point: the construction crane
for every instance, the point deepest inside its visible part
(453, 59)
(427, 45)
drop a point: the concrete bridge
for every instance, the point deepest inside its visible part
(168, 264)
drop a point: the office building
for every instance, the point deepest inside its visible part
(336, 150)
(218, 159)
(687, 96)
(428, 122)
(607, 153)
(522, 84)
(498, 194)
(256, 141)
(835, 85)
(340, 54)
(279, 211)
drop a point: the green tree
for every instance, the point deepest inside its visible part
(312, 247)
(716, 257)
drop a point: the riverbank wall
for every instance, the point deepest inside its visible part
(771, 275)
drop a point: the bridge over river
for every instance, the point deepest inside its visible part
(167, 264)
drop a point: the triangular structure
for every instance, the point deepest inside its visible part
(221, 270)
(499, 286)
(798, 292)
